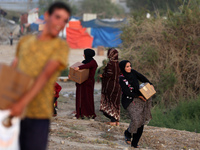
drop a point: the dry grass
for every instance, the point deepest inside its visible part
(167, 52)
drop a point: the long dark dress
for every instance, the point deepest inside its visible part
(111, 91)
(85, 93)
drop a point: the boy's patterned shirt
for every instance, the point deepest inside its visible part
(33, 55)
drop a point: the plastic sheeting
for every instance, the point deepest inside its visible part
(97, 23)
(36, 24)
(77, 37)
(34, 27)
(107, 37)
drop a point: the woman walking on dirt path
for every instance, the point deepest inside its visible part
(138, 107)
(85, 91)
(111, 91)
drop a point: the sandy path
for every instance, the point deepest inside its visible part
(7, 54)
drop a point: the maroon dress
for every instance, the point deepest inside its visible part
(85, 93)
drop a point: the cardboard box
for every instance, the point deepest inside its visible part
(147, 90)
(13, 84)
(78, 76)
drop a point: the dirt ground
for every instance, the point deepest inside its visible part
(68, 133)
(7, 54)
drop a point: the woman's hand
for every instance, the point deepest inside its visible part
(152, 87)
(100, 76)
(142, 98)
(76, 68)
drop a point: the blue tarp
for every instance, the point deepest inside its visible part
(105, 33)
(107, 37)
(34, 27)
(74, 17)
(41, 17)
(97, 23)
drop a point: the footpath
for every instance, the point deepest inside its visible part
(67, 133)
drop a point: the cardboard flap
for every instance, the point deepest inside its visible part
(76, 65)
(13, 85)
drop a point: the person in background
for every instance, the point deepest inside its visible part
(85, 91)
(11, 38)
(111, 91)
(101, 70)
(57, 89)
(41, 57)
(139, 109)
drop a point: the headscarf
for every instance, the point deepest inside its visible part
(127, 75)
(113, 54)
(89, 54)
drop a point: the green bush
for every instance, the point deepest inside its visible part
(65, 72)
(185, 116)
(166, 51)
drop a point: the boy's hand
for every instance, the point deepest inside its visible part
(17, 109)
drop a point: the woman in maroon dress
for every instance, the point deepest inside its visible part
(85, 91)
(111, 91)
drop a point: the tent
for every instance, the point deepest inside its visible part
(101, 23)
(77, 37)
(37, 24)
(105, 32)
(107, 37)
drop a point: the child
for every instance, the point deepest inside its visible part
(11, 38)
(57, 89)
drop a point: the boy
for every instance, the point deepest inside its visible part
(11, 38)
(41, 57)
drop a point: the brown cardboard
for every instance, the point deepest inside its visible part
(147, 90)
(78, 76)
(13, 84)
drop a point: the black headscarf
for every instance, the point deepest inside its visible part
(89, 54)
(128, 76)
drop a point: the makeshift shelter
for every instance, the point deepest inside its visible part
(37, 24)
(33, 15)
(107, 37)
(105, 32)
(77, 37)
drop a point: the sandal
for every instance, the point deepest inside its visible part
(111, 123)
(127, 137)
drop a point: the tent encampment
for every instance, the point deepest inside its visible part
(105, 32)
(77, 37)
